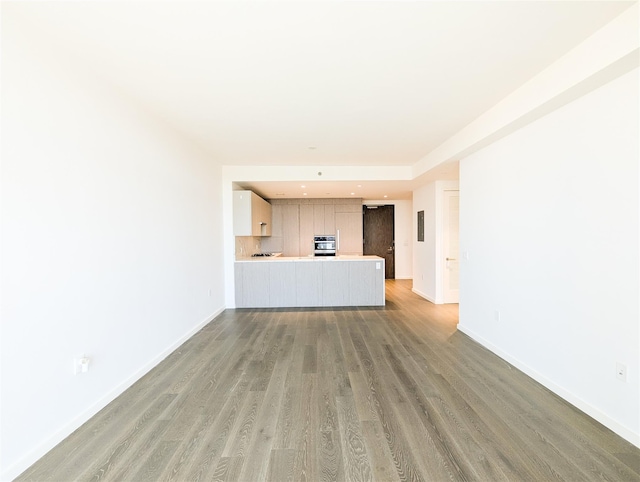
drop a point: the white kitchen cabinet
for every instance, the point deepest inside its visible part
(251, 215)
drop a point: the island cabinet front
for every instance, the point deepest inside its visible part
(336, 284)
(282, 279)
(309, 282)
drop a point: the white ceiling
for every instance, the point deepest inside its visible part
(366, 189)
(362, 83)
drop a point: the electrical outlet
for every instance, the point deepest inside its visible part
(621, 371)
(81, 365)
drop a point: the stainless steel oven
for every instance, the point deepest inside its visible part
(324, 245)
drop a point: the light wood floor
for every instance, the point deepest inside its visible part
(388, 394)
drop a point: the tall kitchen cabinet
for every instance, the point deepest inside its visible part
(315, 220)
(306, 229)
(297, 221)
(348, 224)
(323, 216)
(290, 230)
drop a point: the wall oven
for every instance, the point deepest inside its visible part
(324, 245)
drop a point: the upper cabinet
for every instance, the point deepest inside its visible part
(251, 215)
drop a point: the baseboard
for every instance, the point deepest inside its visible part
(45, 446)
(426, 297)
(577, 402)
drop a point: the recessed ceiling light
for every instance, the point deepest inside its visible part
(303, 186)
(304, 193)
(353, 193)
(385, 195)
(359, 185)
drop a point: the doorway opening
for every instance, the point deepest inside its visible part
(378, 235)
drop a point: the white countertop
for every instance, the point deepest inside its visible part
(277, 259)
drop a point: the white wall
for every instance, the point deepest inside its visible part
(605, 55)
(427, 255)
(111, 244)
(424, 252)
(550, 219)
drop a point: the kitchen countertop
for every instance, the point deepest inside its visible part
(277, 259)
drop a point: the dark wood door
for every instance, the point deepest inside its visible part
(377, 226)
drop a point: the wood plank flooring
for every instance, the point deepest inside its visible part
(388, 394)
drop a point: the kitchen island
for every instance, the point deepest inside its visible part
(282, 282)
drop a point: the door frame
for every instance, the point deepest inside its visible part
(377, 205)
(447, 295)
(439, 263)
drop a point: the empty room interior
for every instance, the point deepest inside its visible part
(350, 240)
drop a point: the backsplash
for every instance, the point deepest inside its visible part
(247, 245)
(273, 244)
